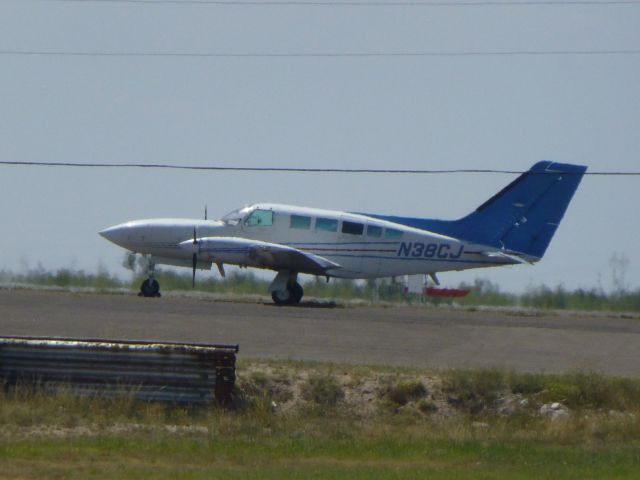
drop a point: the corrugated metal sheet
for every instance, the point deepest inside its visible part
(167, 372)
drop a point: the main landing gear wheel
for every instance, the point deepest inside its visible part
(150, 288)
(296, 293)
(291, 296)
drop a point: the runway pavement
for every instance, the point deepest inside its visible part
(398, 336)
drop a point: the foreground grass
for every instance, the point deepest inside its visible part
(313, 420)
(278, 456)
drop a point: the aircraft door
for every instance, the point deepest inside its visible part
(352, 243)
(375, 250)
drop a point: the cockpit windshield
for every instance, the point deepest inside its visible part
(250, 216)
(259, 218)
(235, 218)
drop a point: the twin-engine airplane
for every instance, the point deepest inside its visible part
(514, 226)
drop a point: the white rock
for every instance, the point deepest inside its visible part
(554, 410)
(559, 414)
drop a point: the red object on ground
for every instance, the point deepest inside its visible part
(446, 292)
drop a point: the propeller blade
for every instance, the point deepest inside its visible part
(194, 258)
(194, 263)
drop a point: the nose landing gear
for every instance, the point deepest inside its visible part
(149, 288)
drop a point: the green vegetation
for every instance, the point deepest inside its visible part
(475, 390)
(313, 420)
(482, 292)
(328, 456)
(236, 282)
(478, 390)
(65, 278)
(323, 390)
(403, 392)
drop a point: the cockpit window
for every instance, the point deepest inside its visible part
(259, 218)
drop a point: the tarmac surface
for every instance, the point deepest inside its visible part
(396, 336)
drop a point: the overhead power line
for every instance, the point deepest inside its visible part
(364, 3)
(289, 169)
(495, 53)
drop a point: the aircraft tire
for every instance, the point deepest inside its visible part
(291, 296)
(150, 288)
(281, 297)
(295, 293)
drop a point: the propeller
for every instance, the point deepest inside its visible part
(194, 258)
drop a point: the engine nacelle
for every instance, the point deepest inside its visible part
(232, 250)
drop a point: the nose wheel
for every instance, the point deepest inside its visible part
(150, 288)
(291, 296)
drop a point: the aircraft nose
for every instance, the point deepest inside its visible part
(115, 234)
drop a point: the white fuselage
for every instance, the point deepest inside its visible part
(363, 246)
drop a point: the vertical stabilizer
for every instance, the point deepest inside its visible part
(522, 217)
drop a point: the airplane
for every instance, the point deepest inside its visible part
(514, 226)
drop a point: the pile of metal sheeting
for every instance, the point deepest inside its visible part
(165, 372)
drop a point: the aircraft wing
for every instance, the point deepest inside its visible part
(281, 257)
(256, 253)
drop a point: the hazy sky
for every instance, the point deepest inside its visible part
(429, 112)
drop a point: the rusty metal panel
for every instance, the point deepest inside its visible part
(154, 371)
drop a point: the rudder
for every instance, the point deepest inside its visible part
(524, 216)
(521, 218)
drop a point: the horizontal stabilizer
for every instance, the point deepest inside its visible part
(509, 256)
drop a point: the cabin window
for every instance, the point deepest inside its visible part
(392, 233)
(352, 228)
(259, 218)
(300, 221)
(327, 224)
(374, 231)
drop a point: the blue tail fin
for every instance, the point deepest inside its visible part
(521, 218)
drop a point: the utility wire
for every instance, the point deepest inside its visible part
(364, 3)
(496, 53)
(291, 169)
